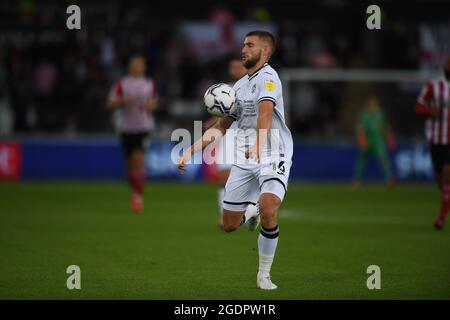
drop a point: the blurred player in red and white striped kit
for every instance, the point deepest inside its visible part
(434, 104)
(136, 98)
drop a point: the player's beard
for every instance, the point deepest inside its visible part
(250, 63)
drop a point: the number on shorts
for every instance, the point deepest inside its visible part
(281, 169)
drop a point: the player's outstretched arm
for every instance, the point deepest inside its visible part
(113, 104)
(222, 125)
(264, 124)
(118, 102)
(210, 122)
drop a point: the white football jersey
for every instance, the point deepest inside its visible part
(263, 84)
(225, 155)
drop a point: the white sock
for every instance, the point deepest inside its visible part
(220, 195)
(267, 245)
(250, 212)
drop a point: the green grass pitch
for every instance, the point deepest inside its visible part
(329, 235)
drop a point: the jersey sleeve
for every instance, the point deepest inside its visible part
(269, 86)
(116, 91)
(424, 101)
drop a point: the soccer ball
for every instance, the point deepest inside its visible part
(219, 99)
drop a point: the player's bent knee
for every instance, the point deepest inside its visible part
(229, 228)
(137, 159)
(269, 203)
(231, 220)
(138, 155)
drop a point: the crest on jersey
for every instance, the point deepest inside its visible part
(254, 88)
(270, 85)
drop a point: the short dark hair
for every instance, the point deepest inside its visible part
(136, 56)
(265, 36)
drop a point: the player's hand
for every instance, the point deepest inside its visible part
(127, 100)
(151, 104)
(182, 163)
(252, 152)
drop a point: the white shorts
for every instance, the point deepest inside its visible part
(224, 167)
(245, 185)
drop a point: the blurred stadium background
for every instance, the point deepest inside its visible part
(54, 126)
(54, 81)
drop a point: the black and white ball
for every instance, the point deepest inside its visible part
(220, 99)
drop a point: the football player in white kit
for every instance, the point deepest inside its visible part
(264, 151)
(236, 71)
